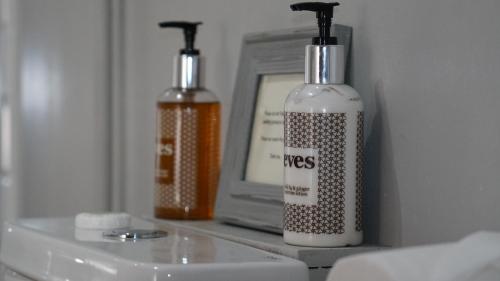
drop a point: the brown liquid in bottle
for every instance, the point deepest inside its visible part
(187, 160)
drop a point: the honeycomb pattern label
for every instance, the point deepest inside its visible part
(168, 119)
(327, 133)
(359, 172)
(176, 174)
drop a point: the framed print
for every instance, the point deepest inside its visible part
(271, 65)
(264, 157)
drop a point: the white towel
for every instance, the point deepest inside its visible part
(476, 257)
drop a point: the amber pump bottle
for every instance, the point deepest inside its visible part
(187, 138)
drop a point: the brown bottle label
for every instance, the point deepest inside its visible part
(176, 156)
(165, 156)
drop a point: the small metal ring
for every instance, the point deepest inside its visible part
(134, 234)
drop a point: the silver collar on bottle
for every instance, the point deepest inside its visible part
(188, 71)
(324, 64)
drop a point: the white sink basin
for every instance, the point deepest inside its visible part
(52, 249)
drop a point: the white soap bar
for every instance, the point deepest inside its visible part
(102, 221)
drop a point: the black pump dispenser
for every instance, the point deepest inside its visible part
(324, 59)
(188, 64)
(324, 14)
(189, 34)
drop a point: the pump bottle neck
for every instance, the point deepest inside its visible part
(324, 64)
(188, 71)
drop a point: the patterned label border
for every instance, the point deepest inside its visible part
(327, 133)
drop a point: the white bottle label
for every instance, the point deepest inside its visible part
(301, 169)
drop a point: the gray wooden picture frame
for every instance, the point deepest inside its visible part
(246, 203)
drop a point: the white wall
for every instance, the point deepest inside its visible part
(63, 93)
(428, 72)
(9, 111)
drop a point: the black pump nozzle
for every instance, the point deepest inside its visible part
(189, 34)
(324, 14)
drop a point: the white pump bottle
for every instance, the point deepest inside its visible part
(323, 158)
